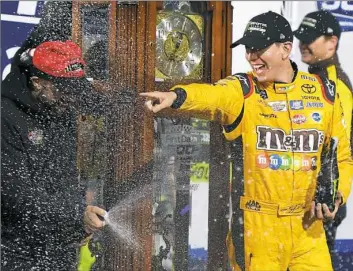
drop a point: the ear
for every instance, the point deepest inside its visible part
(287, 49)
(333, 41)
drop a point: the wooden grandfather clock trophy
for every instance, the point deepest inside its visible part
(160, 161)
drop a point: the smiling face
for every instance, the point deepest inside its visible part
(268, 63)
(322, 48)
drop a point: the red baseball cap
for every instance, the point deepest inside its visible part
(59, 59)
(60, 62)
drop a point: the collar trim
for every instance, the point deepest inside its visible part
(322, 65)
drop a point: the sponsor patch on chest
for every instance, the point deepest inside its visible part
(278, 106)
(299, 119)
(36, 136)
(296, 105)
(316, 116)
(314, 105)
(301, 140)
(285, 162)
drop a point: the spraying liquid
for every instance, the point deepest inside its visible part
(120, 219)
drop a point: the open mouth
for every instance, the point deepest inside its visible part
(259, 68)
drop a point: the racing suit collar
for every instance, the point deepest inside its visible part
(279, 87)
(322, 65)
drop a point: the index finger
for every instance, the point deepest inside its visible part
(327, 214)
(327, 211)
(149, 94)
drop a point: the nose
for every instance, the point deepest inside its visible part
(252, 54)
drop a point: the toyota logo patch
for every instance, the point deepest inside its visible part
(308, 88)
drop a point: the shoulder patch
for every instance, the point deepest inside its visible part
(246, 82)
(328, 88)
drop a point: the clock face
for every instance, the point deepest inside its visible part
(179, 46)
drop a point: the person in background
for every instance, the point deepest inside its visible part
(282, 146)
(319, 34)
(44, 217)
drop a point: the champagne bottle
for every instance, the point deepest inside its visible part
(327, 182)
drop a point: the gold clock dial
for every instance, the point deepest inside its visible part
(179, 46)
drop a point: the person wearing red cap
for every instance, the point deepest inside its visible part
(319, 34)
(43, 212)
(287, 120)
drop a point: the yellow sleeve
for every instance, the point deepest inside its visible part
(344, 157)
(346, 99)
(221, 102)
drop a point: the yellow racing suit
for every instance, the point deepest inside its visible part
(331, 68)
(284, 127)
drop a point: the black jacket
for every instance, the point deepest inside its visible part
(42, 202)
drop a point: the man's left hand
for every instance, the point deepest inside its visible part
(91, 219)
(322, 212)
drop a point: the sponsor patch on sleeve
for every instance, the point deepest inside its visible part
(328, 88)
(246, 84)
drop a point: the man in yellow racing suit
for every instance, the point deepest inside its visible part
(319, 35)
(285, 118)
